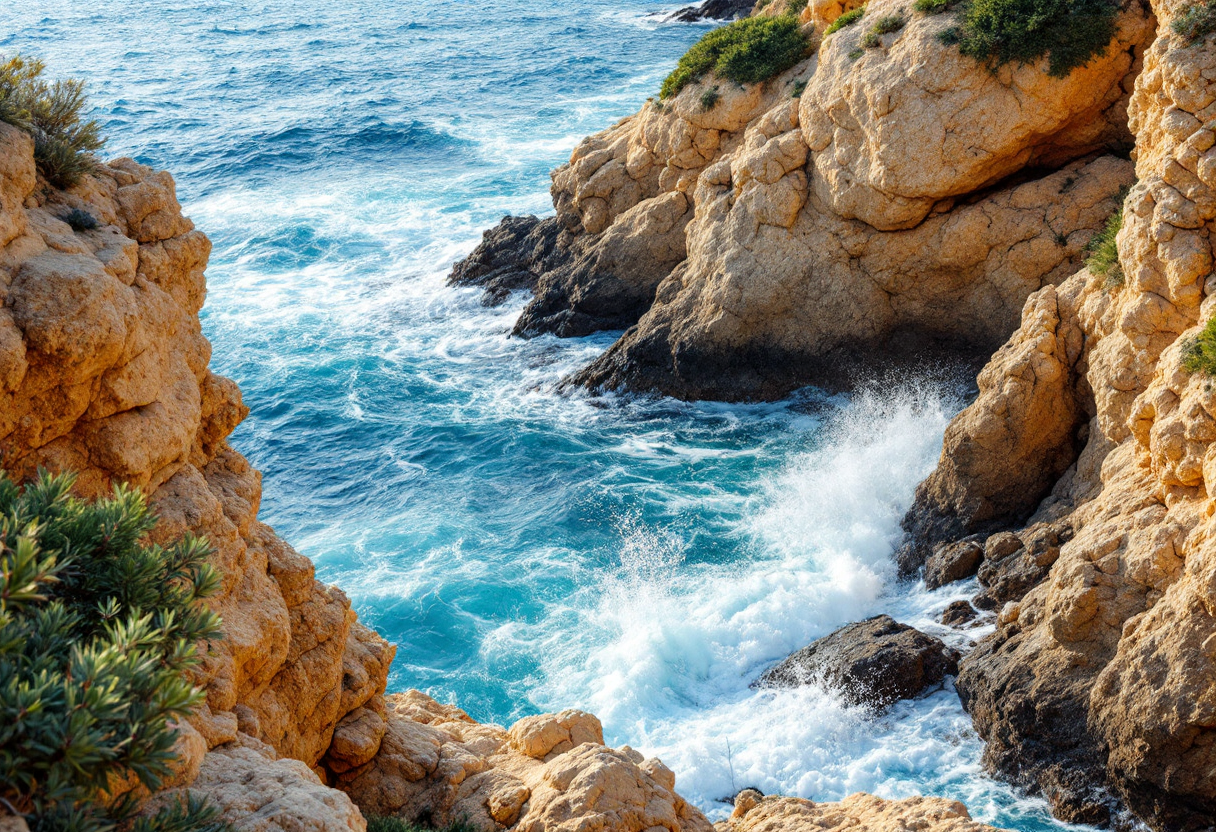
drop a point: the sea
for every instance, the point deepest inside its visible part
(528, 549)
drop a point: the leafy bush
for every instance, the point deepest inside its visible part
(847, 19)
(98, 631)
(388, 823)
(1199, 354)
(746, 51)
(885, 25)
(1103, 256)
(1196, 23)
(933, 6)
(798, 89)
(80, 220)
(51, 113)
(1068, 32)
(709, 98)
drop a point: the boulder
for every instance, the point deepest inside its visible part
(857, 813)
(953, 562)
(958, 614)
(874, 662)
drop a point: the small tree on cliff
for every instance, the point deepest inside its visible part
(98, 631)
(51, 112)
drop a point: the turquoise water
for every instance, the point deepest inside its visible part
(527, 551)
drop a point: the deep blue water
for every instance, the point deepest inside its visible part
(527, 551)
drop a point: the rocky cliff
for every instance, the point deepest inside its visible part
(104, 371)
(895, 201)
(1101, 679)
(886, 202)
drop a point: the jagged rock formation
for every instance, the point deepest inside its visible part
(103, 369)
(909, 200)
(712, 10)
(1099, 686)
(874, 663)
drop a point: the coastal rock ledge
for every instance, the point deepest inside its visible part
(104, 371)
(887, 205)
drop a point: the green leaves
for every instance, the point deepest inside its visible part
(98, 630)
(52, 113)
(746, 51)
(1068, 32)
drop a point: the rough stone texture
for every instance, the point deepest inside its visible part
(1002, 455)
(549, 773)
(873, 662)
(257, 793)
(958, 614)
(858, 813)
(953, 562)
(906, 204)
(1098, 688)
(103, 371)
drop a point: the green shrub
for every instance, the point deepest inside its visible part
(709, 98)
(856, 53)
(746, 51)
(798, 89)
(1196, 23)
(1068, 32)
(388, 823)
(98, 632)
(885, 25)
(794, 7)
(1103, 254)
(80, 220)
(847, 19)
(51, 114)
(1199, 353)
(933, 6)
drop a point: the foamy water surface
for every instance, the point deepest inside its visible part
(527, 551)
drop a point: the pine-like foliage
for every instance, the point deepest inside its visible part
(98, 630)
(747, 51)
(51, 112)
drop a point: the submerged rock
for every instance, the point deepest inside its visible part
(874, 662)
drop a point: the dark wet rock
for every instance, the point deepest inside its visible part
(581, 283)
(1016, 563)
(873, 662)
(511, 256)
(713, 10)
(958, 614)
(1034, 718)
(954, 562)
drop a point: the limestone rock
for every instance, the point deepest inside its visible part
(858, 812)
(257, 793)
(958, 614)
(1004, 452)
(873, 662)
(953, 562)
(549, 772)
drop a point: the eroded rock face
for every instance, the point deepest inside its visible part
(550, 772)
(1097, 687)
(873, 662)
(103, 371)
(907, 203)
(859, 812)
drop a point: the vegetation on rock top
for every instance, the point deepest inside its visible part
(98, 634)
(51, 112)
(1069, 33)
(1199, 353)
(1196, 23)
(746, 51)
(885, 25)
(388, 823)
(847, 19)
